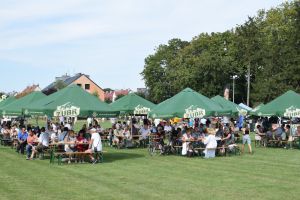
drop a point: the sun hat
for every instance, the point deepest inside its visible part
(211, 131)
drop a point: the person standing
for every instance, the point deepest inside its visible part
(246, 139)
(95, 145)
(211, 143)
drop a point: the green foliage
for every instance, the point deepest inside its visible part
(95, 93)
(108, 90)
(107, 100)
(141, 94)
(268, 43)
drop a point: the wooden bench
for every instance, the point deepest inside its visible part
(6, 142)
(60, 155)
(178, 149)
(276, 143)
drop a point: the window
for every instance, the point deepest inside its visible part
(79, 85)
(87, 86)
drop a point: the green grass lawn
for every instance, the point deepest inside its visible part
(133, 174)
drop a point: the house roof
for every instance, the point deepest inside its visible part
(109, 95)
(67, 80)
(27, 90)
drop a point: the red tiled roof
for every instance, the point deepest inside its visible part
(109, 95)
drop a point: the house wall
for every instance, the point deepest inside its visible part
(83, 80)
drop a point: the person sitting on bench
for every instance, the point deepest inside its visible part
(43, 142)
(22, 140)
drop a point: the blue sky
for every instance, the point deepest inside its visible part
(107, 40)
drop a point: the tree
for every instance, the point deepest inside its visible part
(95, 93)
(107, 100)
(267, 43)
(108, 90)
(158, 68)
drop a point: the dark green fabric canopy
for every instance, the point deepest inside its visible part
(188, 104)
(286, 105)
(133, 104)
(256, 109)
(71, 101)
(17, 106)
(229, 105)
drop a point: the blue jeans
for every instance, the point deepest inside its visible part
(28, 150)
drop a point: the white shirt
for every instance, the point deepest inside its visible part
(144, 132)
(168, 128)
(68, 126)
(54, 136)
(156, 122)
(89, 121)
(96, 141)
(61, 119)
(44, 139)
(54, 128)
(210, 142)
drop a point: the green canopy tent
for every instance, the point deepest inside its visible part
(6, 102)
(286, 105)
(72, 101)
(256, 109)
(229, 105)
(133, 104)
(17, 106)
(188, 104)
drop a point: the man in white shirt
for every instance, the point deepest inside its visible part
(144, 133)
(168, 127)
(89, 122)
(95, 145)
(43, 142)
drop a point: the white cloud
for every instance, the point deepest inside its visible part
(109, 39)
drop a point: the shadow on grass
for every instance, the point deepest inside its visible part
(115, 156)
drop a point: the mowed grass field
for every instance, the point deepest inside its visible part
(133, 174)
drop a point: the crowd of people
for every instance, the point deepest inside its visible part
(280, 135)
(33, 140)
(191, 137)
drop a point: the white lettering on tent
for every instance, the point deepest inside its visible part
(140, 110)
(292, 112)
(194, 112)
(67, 110)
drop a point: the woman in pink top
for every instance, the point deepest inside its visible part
(32, 140)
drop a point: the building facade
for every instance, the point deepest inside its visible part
(82, 80)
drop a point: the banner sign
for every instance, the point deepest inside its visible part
(242, 112)
(140, 110)
(292, 112)
(194, 112)
(67, 110)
